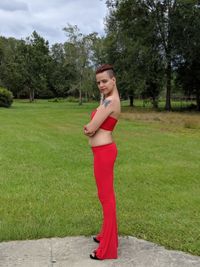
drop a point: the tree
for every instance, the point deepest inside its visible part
(37, 63)
(162, 15)
(12, 66)
(79, 47)
(137, 28)
(188, 49)
(62, 73)
(133, 48)
(98, 50)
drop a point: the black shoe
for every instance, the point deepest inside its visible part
(96, 240)
(94, 256)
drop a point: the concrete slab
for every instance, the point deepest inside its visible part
(74, 252)
(34, 253)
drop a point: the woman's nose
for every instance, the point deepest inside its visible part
(101, 85)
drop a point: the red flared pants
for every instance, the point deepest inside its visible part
(104, 159)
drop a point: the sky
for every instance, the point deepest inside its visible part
(19, 18)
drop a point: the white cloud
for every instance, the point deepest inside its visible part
(48, 17)
(12, 6)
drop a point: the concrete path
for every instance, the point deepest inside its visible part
(74, 251)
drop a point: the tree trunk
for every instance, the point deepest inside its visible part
(80, 97)
(198, 99)
(86, 96)
(131, 100)
(168, 89)
(155, 103)
(80, 90)
(31, 95)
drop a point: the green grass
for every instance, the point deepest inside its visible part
(46, 177)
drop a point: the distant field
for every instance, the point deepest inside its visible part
(46, 178)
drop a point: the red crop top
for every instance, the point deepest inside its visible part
(108, 124)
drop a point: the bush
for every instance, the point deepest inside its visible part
(72, 99)
(45, 94)
(6, 98)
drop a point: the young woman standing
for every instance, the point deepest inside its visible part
(99, 130)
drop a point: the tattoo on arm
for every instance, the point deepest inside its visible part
(106, 102)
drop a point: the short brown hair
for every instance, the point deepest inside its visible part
(106, 67)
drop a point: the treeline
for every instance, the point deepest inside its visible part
(31, 68)
(154, 47)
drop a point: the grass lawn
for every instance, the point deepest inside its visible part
(46, 177)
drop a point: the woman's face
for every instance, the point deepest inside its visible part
(105, 83)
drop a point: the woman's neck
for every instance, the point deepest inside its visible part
(114, 92)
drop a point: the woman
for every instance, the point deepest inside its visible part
(99, 130)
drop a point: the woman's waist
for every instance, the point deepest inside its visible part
(102, 134)
(101, 137)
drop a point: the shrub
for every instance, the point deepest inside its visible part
(56, 99)
(6, 98)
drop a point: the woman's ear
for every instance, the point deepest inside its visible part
(114, 79)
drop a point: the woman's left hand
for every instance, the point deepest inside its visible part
(88, 133)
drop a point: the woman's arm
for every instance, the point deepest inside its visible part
(102, 113)
(86, 131)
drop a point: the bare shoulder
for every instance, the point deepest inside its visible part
(110, 101)
(113, 103)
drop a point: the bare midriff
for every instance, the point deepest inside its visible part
(101, 137)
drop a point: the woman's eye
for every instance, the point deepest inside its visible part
(103, 81)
